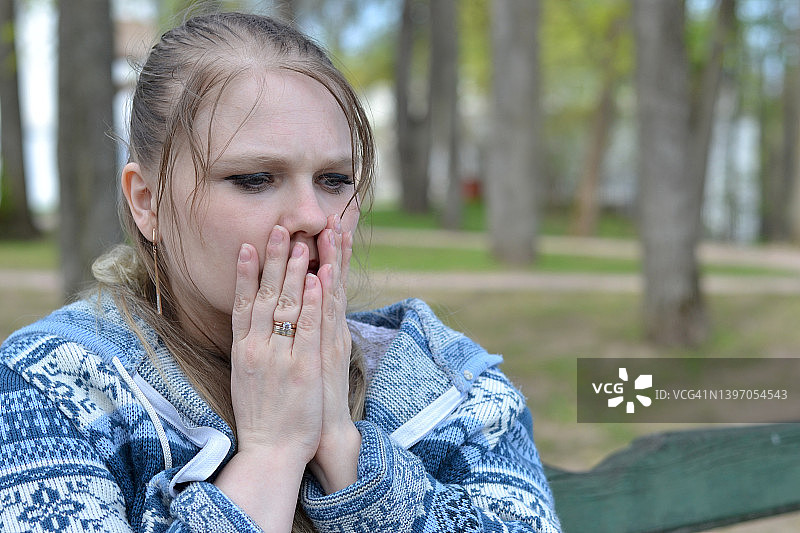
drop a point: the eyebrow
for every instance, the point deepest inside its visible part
(240, 161)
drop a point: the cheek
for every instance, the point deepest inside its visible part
(205, 261)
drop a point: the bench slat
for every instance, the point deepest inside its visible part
(684, 481)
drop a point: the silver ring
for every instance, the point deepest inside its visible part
(287, 329)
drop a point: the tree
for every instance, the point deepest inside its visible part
(86, 154)
(705, 100)
(513, 163)
(791, 146)
(674, 136)
(604, 54)
(412, 123)
(778, 116)
(15, 215)
(443, 106)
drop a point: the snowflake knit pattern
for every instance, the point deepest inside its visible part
(96, 436)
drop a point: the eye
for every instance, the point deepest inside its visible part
(335, 182)
(252, 182)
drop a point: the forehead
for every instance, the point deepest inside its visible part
(280, 113)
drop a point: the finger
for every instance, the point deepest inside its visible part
(337, 237)
(307, 339)
(329, 310)
(329, 244)
(333, 300)
(291, 297)
(334, 306)
(338, 279)
(347, 255)
(245, 292)
(326, 243)
(334, 345)
(326, 246)
(272, 276)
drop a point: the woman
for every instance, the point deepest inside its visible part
(212, 381)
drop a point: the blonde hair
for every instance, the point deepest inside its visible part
(189, 66)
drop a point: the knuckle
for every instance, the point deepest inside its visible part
(245, 358)
(287, 301)
(305, 323)
(340, 295)
(240, 303)
(266, 293)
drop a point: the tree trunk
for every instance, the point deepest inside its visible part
(513, 164)
(443, 97)
(674, 308)
(587, 204)
(412, 128)
(15, 215)
(774, 190)
(790, 166)
(587, 201)
(86, 154)
(702, 112)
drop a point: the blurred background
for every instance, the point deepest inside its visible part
(559, 178)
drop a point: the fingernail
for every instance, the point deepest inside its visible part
(297, 251)
(338, 224)
(311, 281)
(331, 238)
(276, 236)
(245, 254)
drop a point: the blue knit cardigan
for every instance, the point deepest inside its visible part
(98, 436)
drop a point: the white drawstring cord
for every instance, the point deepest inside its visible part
(151, 412)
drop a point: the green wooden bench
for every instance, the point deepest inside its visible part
(684, 481)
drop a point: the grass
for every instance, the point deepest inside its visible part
(40, 254)
(442, 259)
(19, 307)
(474, 218)
(553, 221)
(542, 334)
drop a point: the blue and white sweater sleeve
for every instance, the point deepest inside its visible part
(51, 479)
(477, 471)
(78, 454)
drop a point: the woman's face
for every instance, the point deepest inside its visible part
(281, 153)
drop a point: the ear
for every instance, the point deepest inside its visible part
(141, 199)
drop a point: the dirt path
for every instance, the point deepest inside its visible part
(774, 256)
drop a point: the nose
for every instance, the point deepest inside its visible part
(304, 215)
